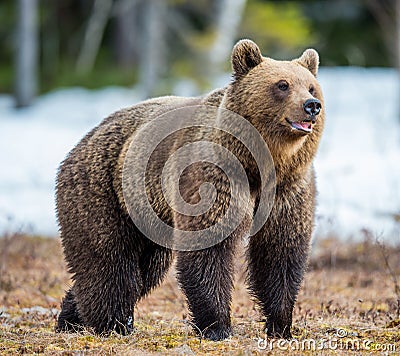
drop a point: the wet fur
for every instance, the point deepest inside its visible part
(113, 265)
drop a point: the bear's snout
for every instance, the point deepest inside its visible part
(312, 107)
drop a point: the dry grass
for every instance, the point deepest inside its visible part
(350, 288)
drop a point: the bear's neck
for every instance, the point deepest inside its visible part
(292, 159)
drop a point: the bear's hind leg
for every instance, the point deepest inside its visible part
(69, 319)
(106, 297)
(154, 263)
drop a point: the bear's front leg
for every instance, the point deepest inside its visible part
(277, 257)
(275, 274)
(206, 277)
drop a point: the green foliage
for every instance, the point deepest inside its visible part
(352, 39)
(7, 39)
(280, 28)
(344, 33)
(102, 75)
(6, 77)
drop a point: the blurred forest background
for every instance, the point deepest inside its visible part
(46, 44)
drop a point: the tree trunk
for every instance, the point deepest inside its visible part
(230, 14)
(386, 13)
(93, 35)
(50, 44)
(26, 53)
(397, 36)
(152, 59)
(398, 50)
(125, 32)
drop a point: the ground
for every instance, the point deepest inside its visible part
(350, 300)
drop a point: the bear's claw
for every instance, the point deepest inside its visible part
(216, 334)
(277, 331)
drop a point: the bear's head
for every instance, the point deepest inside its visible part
(282, 99)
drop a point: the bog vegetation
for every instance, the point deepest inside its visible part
(350, 299)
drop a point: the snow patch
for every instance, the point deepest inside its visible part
(358, 164)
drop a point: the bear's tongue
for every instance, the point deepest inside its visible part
(304, 126)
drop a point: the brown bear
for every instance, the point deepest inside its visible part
(112, 261)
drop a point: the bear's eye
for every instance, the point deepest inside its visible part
(311, 90)
(283, 85)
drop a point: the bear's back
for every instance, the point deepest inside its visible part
(92, 171)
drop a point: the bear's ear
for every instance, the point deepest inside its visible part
(245, 56)
(310, 60)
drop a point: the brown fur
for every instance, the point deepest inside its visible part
(114, 265)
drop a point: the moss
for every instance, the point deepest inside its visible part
(326, 303)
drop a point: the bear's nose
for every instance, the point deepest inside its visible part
(312, 107)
